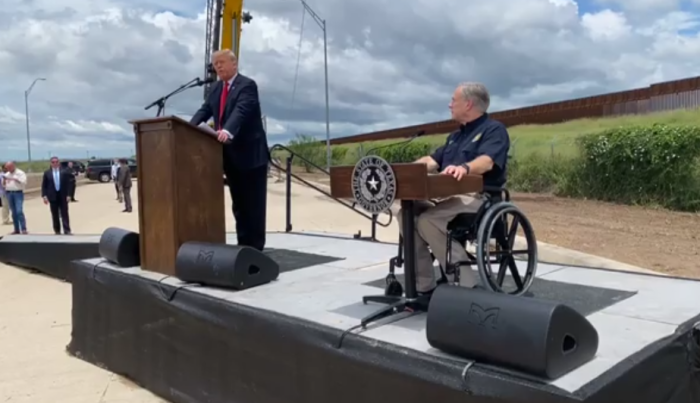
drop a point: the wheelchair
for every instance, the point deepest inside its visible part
(494, 236)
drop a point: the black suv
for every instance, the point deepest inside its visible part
(101, 170)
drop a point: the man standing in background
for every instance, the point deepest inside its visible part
(55, 186)
(115, 173)
(15, 180)
(72, 179)
(124, 182)
(4, 203)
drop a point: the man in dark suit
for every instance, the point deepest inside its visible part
(233, 103)
(55, 188)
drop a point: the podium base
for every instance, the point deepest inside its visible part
(394, 305)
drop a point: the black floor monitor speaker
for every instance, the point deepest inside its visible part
(539, 337)
(120, 247)
(227, 266)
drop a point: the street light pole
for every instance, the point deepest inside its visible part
(26, 114)
(322, 24)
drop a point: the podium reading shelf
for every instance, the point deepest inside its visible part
(413, 182)
(179, 189)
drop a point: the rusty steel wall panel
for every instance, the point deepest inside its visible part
(678, 94)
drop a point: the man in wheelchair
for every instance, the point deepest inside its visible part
(479, 147)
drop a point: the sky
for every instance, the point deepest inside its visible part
(391, 63)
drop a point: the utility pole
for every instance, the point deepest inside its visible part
(322, 24)
(26, 113)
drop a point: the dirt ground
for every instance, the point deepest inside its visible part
(658, 240)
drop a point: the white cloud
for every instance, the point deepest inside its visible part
(606, 25)
(105, 60)
(90, 127)
(10, 116)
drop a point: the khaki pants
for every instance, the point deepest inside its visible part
(5, 210)
(431, 235)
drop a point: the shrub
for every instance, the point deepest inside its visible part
(405, 153)
(650, 165)
(535, 173)
(308, 148)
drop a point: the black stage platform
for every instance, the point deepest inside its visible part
(278, 343)
(48, 254)
(52, 254)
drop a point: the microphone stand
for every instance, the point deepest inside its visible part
(160, 102)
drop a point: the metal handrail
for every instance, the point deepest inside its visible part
(288, 170)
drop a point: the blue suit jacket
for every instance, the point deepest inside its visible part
(242, 118)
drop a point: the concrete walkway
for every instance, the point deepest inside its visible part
(35, 311)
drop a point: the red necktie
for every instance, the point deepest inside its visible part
(222, 104)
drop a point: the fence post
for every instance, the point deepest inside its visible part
(288, 226)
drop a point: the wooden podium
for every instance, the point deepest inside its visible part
(413, 182)
(181, 197)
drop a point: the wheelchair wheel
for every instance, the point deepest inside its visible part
(496, 246)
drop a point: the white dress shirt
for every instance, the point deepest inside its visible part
(19, 182)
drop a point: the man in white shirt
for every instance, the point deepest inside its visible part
(15, 180)
(4, 204)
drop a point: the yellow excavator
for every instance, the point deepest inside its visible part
(225, 19)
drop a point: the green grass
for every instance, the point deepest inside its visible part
(554, 139)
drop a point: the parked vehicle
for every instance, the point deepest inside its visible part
(78, 166)
(101, 169)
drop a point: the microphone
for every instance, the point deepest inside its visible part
(401, 143)
(206, 81)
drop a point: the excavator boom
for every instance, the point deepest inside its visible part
(225, 19)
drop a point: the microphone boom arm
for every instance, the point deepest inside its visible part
(400, 143)
(160, 102)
